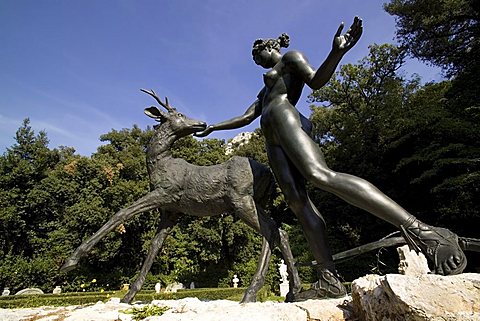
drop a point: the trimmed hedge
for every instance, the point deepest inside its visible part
(31, 301)
(202, 294)
(80, 298)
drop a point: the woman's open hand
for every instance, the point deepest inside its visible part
(343, 43)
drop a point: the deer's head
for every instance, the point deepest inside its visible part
(178, 123)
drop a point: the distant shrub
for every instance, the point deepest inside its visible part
(18, 272)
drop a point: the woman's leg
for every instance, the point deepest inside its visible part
(307, 157)
(292, 185)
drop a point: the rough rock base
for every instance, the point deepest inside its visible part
(193, 309)
(374, 298)
(426, 297)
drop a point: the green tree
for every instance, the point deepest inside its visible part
(442, 32)
(446, 34)
(24, 214)
(27, 213)
(440, 173)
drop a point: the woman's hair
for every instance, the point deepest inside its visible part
(281, 42)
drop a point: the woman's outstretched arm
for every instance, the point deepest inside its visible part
(249, 116)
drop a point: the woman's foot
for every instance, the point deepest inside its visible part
(327, 286)
(439, 245)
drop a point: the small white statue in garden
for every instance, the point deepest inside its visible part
(282, 269)
(158, 286)
(284, 287)
(235, 281)
(57, 290)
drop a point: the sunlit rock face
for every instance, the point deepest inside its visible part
(238, 141)
(395, 297)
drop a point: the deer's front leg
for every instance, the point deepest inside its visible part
(166, 223)
(150, 201)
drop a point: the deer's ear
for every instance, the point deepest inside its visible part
(155, 113)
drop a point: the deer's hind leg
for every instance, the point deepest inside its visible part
(280, 238)
(255, 217)
(295, 283)
(167, 221)
(247, 211)
(258, 278)
(148, 202)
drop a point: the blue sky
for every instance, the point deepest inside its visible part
(75, 67)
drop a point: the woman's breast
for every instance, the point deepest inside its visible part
(270, 78)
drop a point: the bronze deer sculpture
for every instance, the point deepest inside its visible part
(240, 186)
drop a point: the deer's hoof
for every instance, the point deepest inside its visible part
(249, 298)
(69, 265)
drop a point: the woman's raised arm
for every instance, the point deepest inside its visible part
(341, 44)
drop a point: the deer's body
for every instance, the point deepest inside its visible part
(240, 186)
(209, 190)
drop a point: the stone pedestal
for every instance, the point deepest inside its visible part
(284, 289)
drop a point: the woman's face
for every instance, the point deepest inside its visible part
(264, 58)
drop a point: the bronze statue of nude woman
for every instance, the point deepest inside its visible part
(295, 158)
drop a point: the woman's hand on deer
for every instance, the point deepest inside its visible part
(205, 132)
(343, 43)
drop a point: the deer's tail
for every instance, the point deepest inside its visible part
(263, 183)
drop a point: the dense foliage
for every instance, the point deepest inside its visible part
(54, 199)
(441, 32)
(419, 143)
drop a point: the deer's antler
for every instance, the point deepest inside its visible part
(164, 104)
